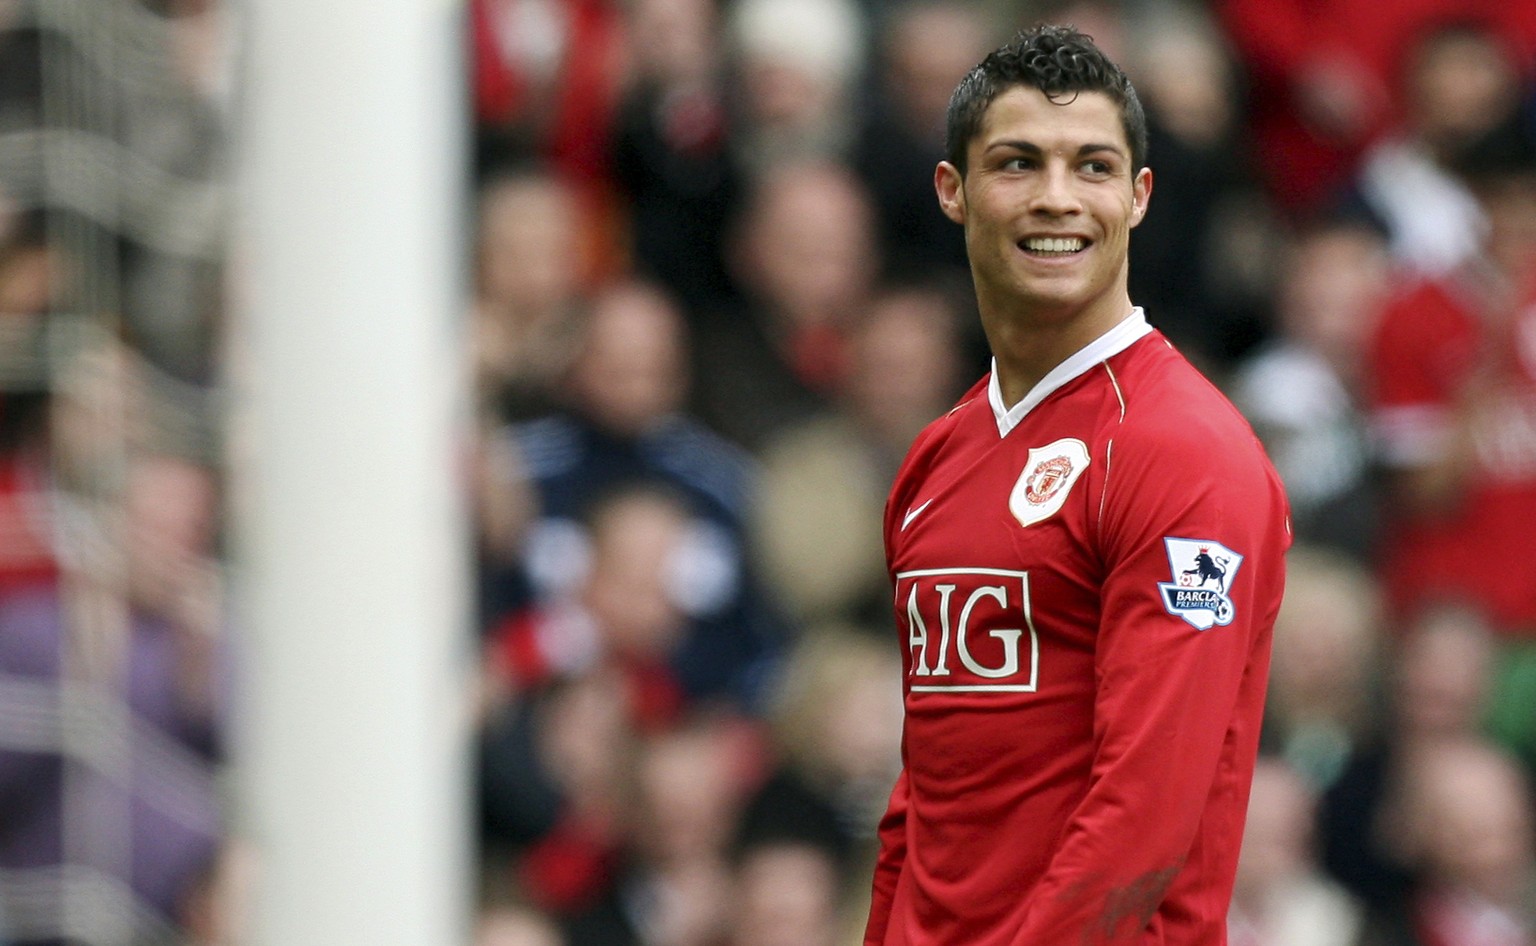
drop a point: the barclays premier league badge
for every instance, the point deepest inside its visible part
(1202, 579)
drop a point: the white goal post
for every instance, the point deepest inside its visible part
(349, 565)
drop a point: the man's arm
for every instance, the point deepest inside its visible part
(893, 853)
(1168, 734)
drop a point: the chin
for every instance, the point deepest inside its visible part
(1055, 299)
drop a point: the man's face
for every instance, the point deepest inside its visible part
(1048, 202)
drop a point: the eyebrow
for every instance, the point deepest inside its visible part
(1029, 147)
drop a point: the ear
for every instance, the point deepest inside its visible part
(950, 186)
(1141, 193)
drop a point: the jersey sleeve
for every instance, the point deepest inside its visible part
(1180, 648)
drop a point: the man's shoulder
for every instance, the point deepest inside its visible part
(1158, 387)
(1185, 462)
(1174, 412)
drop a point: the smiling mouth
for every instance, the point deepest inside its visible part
(1048, 247)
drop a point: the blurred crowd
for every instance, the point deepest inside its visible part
(713, 301)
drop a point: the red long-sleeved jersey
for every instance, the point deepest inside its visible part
(1085, 587)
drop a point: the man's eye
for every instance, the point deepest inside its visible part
(1018, 164)
(1097, 167)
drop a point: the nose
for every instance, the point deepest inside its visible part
(1056, 196)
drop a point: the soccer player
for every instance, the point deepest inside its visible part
(1087, 554)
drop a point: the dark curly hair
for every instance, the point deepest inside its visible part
(1059, 61)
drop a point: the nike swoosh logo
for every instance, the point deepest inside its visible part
(912, 514)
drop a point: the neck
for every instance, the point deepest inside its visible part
(1029, 349)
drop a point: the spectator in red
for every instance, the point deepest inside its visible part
(1453, 388)
(623, 613)
(546, 79)
(546, 76)
(26, 501)
(1322, 76)
(30, 268)
(555, 773)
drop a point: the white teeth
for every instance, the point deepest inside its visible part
(1053, 244)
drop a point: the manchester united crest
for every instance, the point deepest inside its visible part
(1046, 480)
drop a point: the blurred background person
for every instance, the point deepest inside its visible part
(1466, 829)
(625, 424)
(796, 66)
(1303, 391)
(836, 738)
(1460, 81)
(1439, 685)
(623, 609)
(1282, 897)
(673, 154)
(805, 259)
(554, 781)
(674, 885)
(530, 293)
(31, 267)
(545, 80)
(787, 891)
(511, 926)
(1321, 78)
(137, 830)
(1202, 257)
(1325, 678)
(818, 518)
(925, 48)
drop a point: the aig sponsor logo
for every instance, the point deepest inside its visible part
(969, 630)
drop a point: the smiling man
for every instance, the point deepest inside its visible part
(1087, 554)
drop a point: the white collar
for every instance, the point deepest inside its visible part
(1125, 333)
